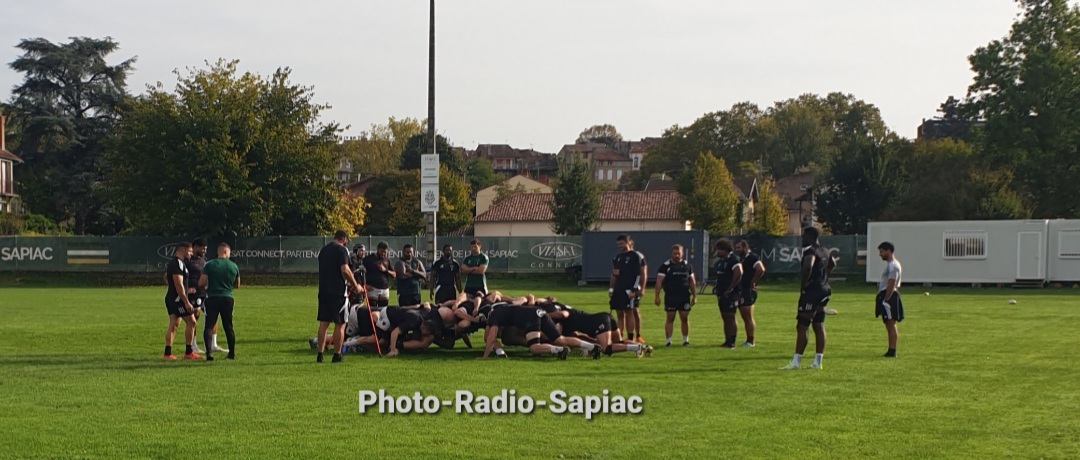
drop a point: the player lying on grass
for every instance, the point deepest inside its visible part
(598, 328)
(396, 328)
(540, 333)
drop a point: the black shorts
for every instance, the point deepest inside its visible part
(475, 291)
(620, 300)
(408, 300)
(749, 297)
(333, 310)
(676, 302)
(176, 308)
(598, 323)
(814, 301)
(728, 302)
(891, 309)
(198, 302)
(445, 293)
(549, 332)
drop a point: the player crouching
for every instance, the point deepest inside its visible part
(540, 333)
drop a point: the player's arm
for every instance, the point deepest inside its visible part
(349, 278)
(693, 289)
(611, 281)
(759, 271)
(236, 282)
(178, 283)
(393, 341)
(387, 270)
(480, 269)
(644, 276)
(420, 272)
(491, 340)
(203, 282)
(890, 285)
(457, 279)
(736, 277)
(656, 289)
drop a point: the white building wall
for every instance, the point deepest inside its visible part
(979, 251)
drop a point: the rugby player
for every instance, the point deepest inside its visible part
(177, 303)
(814, 293)
(728, 276)
(676, 278)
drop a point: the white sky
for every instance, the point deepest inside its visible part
(535, 73)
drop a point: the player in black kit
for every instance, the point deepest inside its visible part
(727, 289)
(676, 277)
(817, 264)
(753, 270)
(541, 334)
(629, 275)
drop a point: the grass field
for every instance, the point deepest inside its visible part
(81, 377)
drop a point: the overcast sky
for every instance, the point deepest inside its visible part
(537, 72)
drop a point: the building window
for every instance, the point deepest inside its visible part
(599, 174)
(619, 175)
(1069, 244)
(964, 245)
(609, 174)
(637, 162)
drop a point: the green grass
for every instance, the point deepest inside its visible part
(81, 377)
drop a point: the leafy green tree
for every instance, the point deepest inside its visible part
(770, 216)
(225, 154)
(601, 134)
(733, 135)
(860, 185)
(710, 200)
(504, 191)
(944, 180)
(420, 144)
(1026, 91)
(575, 203)
(378, 150)
(68, 102)
(455, 201)
(481, 174)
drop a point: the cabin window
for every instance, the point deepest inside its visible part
(965, 245)
(1069, 244)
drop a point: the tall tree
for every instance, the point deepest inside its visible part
(394, 200)
(710, 200)
(455, 201)
(601, 134)
(733, 135)
(1027, 89)
(861, 184)
(575, 202)
(378, 150)
(349, 213)
(67, 104)
(770, 217)
(944, 180)
(481, 174)
(225, 154)
(420, 144)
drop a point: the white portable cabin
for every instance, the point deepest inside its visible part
(1064, 251)
(993, 251)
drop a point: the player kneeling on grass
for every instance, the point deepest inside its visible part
(406, 327)
(177, 303)
(676, 277)
(728, 295)
(540, 333)
(817, 264)
(888, 305)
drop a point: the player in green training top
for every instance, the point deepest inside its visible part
(475, 265)
(219, 277)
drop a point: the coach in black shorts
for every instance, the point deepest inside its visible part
(728, 295)
(817, 264)
(335, 280)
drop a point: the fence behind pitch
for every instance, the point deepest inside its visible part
(284, 254)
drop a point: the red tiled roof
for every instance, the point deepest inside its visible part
(609, 155)
(10, 156)
(533, 207)
(356, 189)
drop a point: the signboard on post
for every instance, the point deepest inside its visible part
(429, 169)
(429, 197)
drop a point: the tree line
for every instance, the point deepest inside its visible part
(231, 153)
